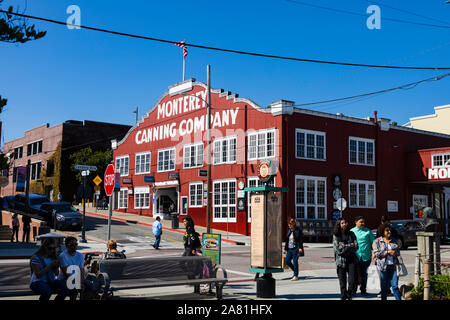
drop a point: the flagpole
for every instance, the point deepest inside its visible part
(183, 66)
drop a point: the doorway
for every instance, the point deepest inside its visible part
(165, 203)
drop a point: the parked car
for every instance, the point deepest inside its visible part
(7, 202)
(35, 202)
(66, 215)
(406, 230)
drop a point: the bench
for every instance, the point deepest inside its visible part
(15, 279)
(137, 273)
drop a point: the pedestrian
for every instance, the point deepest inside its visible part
(26, 220)
(44, 266)
(73, 259)
(293, 247)
(15, 227)
(386, 251)
(191, 242)
(157, 231)
(112, 253)
(385, 219)
(345, 246)
(365, 239)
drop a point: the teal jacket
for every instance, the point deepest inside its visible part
(365, 239)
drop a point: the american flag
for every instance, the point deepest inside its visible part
(181, 44)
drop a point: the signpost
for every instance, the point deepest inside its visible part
(85, 172)
(109, 184)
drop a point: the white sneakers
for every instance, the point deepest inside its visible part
(294, 278)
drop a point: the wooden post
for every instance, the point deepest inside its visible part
(426, 280)
(417, 270)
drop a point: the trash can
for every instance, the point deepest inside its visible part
(175, 222)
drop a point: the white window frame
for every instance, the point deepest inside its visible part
(21, 156)
(366, 196)
(142, 192)
(445, 163)
(32, 147)
(218, 150)
(366, 141)
(120, 158)
(181, 205)
(257, 145)
(305, 203)
(196, 204)
(174, 158)
(35, 173)
(258, 183)
(138, 164)
(195, 146)
(221, 205)
(315, 133)
(123, 199)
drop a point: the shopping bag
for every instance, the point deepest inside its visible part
(401, 268)
(284, 264)
(373, 278)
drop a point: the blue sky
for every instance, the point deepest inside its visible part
(81, 74)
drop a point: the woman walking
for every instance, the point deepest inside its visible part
(386, 251)
(15, 227)
(345, 246)
(293, 247)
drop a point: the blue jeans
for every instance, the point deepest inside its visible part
(45, 290)
(292, 254)
(26, 234)
(388, 279)
(157, 241)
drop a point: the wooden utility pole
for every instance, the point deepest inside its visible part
(209, 193)
(426, 280)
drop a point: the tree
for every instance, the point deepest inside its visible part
(86, 156)
(14, 29)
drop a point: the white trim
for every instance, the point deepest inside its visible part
(220, 140)
(366, 196)
(140, 195)
(256, 133)
(195, 145)
(135, 162)
(122, 207)
(229, 220)
(119, 158)
(144, 189)
(174, 159)
(201, 194)
(315, 133)
(365, 140)
(305, 204)
(444, 165)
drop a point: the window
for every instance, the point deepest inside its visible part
(195, 195)
(261, 144)
(193, 155)
(224, 201)
(310, 197)
(166, 160)
(255, 182)
(50, 168)
(34, 148)
(123, 199)
(122, 165)
(441, 160)
(143, 163)
(14, 174)
(18, 152)
(35, 171)
(361, 151)
(225, 150)
(362, 194)
(142, 197)
(310, 144)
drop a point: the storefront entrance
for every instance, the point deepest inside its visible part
(165, 202)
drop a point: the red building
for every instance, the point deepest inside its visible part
(320, 157)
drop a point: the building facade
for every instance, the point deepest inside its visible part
(437, 122)
(48, 149)
(320, 157)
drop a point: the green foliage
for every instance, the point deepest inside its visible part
(4, 163)
(15, 29)
(439, 290)
(86, 156)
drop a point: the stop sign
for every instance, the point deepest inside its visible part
(109, 180)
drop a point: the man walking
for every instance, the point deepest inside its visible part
(26, 221)
(157, 231)
(365, 238)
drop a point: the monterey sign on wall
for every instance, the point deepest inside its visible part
(183, 105)
(439, 173)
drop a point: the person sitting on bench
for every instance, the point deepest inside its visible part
(112, 252)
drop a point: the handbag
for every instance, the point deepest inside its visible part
(284, 264)
(401, 268)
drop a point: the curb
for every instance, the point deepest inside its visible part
(149, 225)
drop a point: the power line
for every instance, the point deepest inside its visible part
(402, 87)
(231, 50)
(363, 15)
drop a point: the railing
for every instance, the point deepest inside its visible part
(431, 268)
